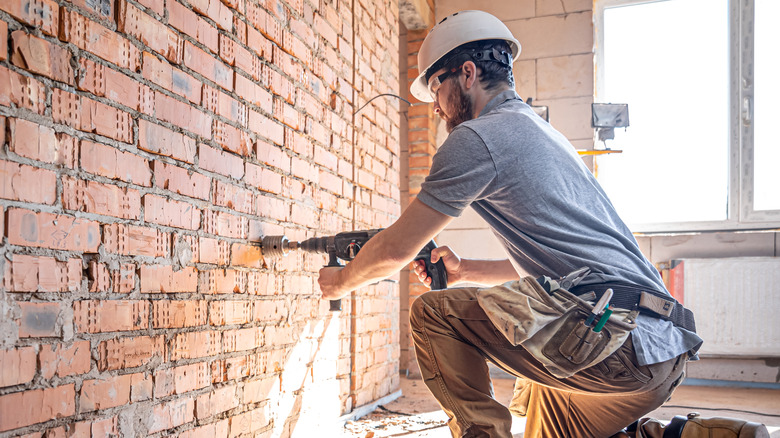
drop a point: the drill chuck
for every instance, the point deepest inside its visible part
(277, 246)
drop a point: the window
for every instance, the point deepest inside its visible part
(699, 77)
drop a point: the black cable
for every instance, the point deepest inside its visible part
(694, 408)
(380, 95)
(384, 409)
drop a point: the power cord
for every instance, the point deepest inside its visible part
(380, 95)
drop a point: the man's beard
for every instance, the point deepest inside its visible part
(463, 108)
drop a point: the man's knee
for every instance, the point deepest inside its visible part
(418, 309)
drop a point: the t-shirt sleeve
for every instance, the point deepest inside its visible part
(462, 172)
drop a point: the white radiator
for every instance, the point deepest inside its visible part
(736, 302)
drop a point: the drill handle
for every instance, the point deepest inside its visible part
(333, 261)
(437, 271)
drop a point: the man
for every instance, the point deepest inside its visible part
(548, 211)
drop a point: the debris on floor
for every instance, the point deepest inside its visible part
(384, 422)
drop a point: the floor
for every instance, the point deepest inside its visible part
(416, 414)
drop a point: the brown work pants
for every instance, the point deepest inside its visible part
(453, 339)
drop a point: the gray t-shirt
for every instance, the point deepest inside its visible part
(544, 205)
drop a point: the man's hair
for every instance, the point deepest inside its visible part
(492, 72)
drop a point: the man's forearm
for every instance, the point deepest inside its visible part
(487, 272)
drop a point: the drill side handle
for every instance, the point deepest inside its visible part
(333, 261)
(436, 271)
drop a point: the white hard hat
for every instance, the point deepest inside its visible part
(452, 32)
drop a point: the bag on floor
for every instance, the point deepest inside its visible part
(695, 426)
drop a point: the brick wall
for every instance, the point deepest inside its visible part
(146, 145)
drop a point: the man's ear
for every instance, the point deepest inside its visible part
(469, 73)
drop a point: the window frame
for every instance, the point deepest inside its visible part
(740, 212)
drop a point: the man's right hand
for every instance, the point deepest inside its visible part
(452, 263)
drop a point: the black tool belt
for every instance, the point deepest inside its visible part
(647, 301)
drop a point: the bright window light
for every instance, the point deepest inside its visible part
(668, 61)
(767, 95)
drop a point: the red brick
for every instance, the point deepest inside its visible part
(182, 115)
(154, 5)
(191, 377)
(18, 366)
(265, 23)
(269, 310)
(141, 387)
(99, 277)
(96, 395)
(225, 224)
(46, 230)
(187, 21)
(254, 94)
(216, 402)
(214, 251)
(3, 40)
(170, 415)
(280, 85)
(230, 312)
(272, 208)
(249, 256)
(42, 57)
(149, 30)
(101, 316)
(248, 423)
(103, 199)
(107, 82)
(172, 79)
(90, 115)
(231, 138)
(261, 45)
(331, 182)
(233, 197)
(236, 55)
(39, 142)
(64, 360)
(104, 428)
(220, 162)
(121, 353)
(222, 281)
(171, 213)
(195, 345)
(134, 240)
(107, 161)
(224, 105)
(179, 180)
(244, 339)
(263, 179)
(163, 279)
(178, 314)
(42, 274)
(162, 141)
(26, 183)
(219, 430)
(21, 91)
(43, 14)
(103, 9)
(93, 37)
(266, 127)
(30, 407)
(215, 10)
(208, 66)
(273, 156)
(39, 320)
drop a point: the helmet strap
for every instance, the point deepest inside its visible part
(495, 55)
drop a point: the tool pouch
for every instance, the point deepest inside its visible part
(552, 327)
